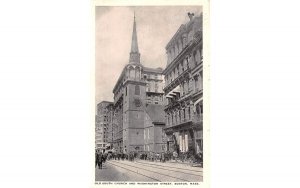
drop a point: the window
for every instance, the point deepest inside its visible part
(137, 90)
(131, 72)
(198, 56)
(148, 97)
(187, 62)
(196, 83)
(174, 76)
(126, 91)
(180, 116)
(201, 54)
(190, 35)
(180, 143)
(186, 142)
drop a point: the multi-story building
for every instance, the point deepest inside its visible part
(154, 85)
(110, 130)
(138, 100)
(183, 88)
(154, 124)
(102, 125)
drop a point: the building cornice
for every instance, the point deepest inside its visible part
(196, 41)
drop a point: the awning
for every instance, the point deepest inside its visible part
(174, 92)
(198, 101)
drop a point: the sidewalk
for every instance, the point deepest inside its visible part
(184, 163)
(173, 162)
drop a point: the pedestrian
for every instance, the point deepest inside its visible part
(104, 157)
(175, 155)
(101, 157)
(96, 158)
(99, 160)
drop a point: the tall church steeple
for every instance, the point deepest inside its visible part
(134, 53)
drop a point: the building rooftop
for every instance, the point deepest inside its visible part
(109, 102)
(183, 28)
(156, 70)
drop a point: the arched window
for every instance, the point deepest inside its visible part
(196, 83)
(188, 62)
(185, 64)
(200, 80)
(179, 116)
(179, 45)
(198, 57)
(137, 73)
(137, 90)
(190, 35)
(195, 61)
(172, 54)
(131, 72)
(201, 54)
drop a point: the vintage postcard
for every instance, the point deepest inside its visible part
(151, 76)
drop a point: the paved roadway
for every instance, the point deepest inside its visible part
(145, 171)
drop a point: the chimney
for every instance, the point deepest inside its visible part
(191, 15)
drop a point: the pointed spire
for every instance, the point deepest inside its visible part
(134, 53)
(134, 43)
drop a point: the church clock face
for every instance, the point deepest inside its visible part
(137, 102)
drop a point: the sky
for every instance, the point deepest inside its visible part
(113, 31)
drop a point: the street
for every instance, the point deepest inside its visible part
(145, 171)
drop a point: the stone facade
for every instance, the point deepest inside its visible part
(109, 130)
(103, 121)
(184, 88)
(153, 129)
(138, 105)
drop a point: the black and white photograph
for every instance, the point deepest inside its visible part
(149, 94)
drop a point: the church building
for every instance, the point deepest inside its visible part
(138, 121)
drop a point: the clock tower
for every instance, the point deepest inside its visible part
(134, 92)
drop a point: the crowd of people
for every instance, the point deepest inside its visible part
(100, 158)
(150, 156)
